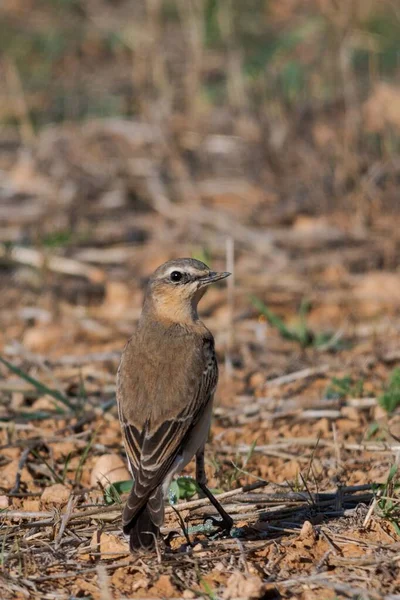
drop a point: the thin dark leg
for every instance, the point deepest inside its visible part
(201, 480)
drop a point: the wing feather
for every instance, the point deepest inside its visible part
(153, 450)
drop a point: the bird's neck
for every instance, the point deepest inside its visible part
(170, 310)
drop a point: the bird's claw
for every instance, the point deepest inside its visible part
(222, 524)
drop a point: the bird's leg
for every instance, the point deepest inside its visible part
(201, 480)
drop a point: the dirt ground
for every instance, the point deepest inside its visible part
(301, 420)
(305, 439)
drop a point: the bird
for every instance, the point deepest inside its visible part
(166, 382)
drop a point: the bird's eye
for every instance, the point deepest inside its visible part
(176, 276)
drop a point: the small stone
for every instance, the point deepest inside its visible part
(257, 380)
(31, 505)
(109, 545)
(9, 472)
(240, 585)
(108, 469)
(3, 502)
(197, 548)
(307, 530)
(56, 494)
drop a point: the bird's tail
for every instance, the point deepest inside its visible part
(144, 528)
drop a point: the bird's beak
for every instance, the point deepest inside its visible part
(212, 277)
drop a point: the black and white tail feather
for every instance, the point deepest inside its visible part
(144, 529)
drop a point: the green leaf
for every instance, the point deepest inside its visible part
(372, 430)
(187, 487)
(173, 492)
(112, 493)
(276, 321)
(182, 488)
(390, 399)
(392, 473)
(340, 387)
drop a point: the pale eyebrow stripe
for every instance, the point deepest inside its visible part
(188, 269)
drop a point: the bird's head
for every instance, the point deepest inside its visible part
(176, 287)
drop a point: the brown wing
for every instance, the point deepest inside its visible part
(153, 445)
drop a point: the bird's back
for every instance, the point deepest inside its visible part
(160, 367)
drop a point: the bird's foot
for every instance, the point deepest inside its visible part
(223, 524)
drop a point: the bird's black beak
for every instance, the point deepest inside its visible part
(212, 277)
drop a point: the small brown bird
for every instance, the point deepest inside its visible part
(165, 387)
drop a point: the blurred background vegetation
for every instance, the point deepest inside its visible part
(311, 87)
(75, 59)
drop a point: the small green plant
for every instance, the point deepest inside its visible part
(344, 387)
(53, 473)
(82, 460)
(239, 467)
(57, 239)
(375, 432)
(301, 332)
(208, 591)
(301, 482)
(112, 493)
(390, 399)
(182, 488)
(58, 396)
(66, 466)
(3, 549)
(387, 495)
(297, 485)
(226, 477)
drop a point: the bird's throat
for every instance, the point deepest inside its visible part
(169, 308)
